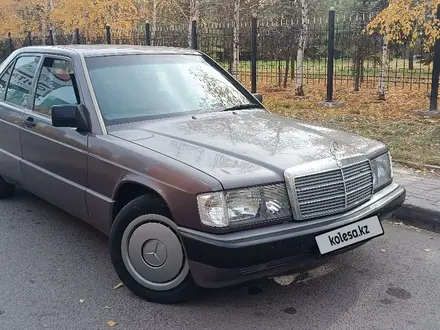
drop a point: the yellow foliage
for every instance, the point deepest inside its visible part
(406, 20)
(20, 16)
(90, 16)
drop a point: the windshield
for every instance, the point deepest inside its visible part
(140, 87)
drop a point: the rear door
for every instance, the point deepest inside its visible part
(16, 84)
(55, 159)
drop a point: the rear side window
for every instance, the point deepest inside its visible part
(4, 81)
(20, 84)
(56, 86)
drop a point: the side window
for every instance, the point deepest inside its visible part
(4, 81)
(56, 86)
(20, 84)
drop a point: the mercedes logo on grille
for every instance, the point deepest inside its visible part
(334, 150)
(334, 147)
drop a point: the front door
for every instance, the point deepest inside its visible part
(55, 159)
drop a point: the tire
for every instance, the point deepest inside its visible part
(141, 240)
(6, 189)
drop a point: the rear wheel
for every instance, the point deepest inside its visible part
(6, 189)
(147, 253)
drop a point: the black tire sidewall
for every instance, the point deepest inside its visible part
(146, 204)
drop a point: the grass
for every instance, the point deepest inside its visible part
(397, 74)
(409, 137)
(397, 68)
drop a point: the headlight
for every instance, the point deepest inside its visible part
(382, 171)
(241, 206)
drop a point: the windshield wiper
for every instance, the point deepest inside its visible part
(243, 107)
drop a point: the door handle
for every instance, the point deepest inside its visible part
(29, 122)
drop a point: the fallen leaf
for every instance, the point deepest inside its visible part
(111, 323)
(427, 250)
(118, 286)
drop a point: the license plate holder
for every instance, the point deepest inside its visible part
(348, 235)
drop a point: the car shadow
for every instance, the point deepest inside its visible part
(316, 299)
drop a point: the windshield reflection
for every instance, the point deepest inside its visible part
(139, 87)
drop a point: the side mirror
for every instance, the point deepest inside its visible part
(258, 96)
(69, 115)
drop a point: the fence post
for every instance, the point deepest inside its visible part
(51, 39)
(77, 37)
(194, 34)
(30, 38)
(433, 104)
(254, 54)
(11, 46)
(108, 34)
(331, 54)
(147, 33)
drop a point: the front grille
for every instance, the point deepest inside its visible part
(333, 191)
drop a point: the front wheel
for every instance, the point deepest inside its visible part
(148, 255)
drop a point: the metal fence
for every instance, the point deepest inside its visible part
(357, 55)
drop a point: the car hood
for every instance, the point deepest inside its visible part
(245, 147)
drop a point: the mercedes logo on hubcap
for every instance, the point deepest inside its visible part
(154, 253)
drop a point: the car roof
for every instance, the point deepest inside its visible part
(108, 50)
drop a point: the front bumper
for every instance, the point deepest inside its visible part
(228, 259)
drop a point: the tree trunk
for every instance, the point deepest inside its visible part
(300, 73)
(301, 47)
(411, 58)
(193, 16)
(286, 73)
(43, 30)
(292, 69)
(357, 78)
(357, 68)
(383, 66)
(362, 71)
(153, 23)
(280, 73)
(236, 43)
(50, 21)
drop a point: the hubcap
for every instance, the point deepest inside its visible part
(153, 254)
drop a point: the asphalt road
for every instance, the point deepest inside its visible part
(55, 274)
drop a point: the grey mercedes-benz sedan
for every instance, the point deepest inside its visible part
(194, 181)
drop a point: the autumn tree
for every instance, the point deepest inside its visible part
(91, 16)
(21, 16)
(405, 20)
(364, 47)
